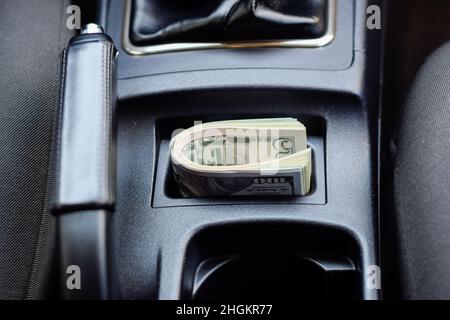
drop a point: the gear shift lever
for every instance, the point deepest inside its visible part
(163, 21)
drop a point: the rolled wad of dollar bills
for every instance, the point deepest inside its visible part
(254, 157)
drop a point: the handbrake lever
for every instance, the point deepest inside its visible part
(85, 164)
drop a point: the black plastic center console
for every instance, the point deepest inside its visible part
(319, 246)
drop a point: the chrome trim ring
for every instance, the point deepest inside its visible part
(324, 40)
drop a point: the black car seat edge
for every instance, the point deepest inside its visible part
(33, 34)
(422, 182)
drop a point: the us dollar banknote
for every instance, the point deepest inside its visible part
(242, 158)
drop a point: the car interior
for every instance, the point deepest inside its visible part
(93, 205)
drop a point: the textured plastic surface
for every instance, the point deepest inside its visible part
(152, 240)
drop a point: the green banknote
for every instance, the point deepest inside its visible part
(242, 158)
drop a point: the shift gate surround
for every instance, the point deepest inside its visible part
(321, 41)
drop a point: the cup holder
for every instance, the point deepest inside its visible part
(278, 261)
(277, 277)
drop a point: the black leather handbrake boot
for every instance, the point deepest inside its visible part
(85, 164)
(168, 21)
